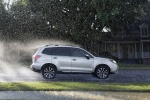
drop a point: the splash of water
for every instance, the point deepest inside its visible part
(16, 51)
(15, 55)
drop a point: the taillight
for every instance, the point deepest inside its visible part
(36, 57)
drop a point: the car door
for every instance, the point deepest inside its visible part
(61, 58)
(79, 61)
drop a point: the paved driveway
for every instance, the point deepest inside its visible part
(24, 73)
(73, 95)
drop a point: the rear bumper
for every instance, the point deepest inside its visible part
(36, 70)
(36, 67)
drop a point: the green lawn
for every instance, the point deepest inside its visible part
(74, 86)
(133, 66)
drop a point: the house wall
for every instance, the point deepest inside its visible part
(130, 52)
(121, 50)
(133, 45)
(146, 50)
(112, 49)
(146, 61)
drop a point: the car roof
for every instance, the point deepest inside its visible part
(60, 46)
(70, 46)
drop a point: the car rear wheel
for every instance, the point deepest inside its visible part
(49, 72)
(102, 72)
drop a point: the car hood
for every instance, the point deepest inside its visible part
(101, 58)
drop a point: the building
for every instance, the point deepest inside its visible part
(132, 46)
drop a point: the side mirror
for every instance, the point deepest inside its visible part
(87, 56)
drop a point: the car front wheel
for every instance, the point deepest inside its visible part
(102, 72)
(49, 72)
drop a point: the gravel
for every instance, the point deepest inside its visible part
(73, 95)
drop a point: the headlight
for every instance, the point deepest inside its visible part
(113, 61)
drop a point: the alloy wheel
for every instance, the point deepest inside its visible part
(102, 72)
(49, 72)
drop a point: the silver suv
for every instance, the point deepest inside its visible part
(51, 60)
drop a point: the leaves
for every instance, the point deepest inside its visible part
(116, 14)
(80, 21)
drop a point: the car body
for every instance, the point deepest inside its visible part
(53, 59)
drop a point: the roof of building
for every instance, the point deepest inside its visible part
(139, 23)
(133, 35)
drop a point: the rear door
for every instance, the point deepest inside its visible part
(61, 58)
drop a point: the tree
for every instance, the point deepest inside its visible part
(81, 21)
(67, 19)
(4, 20)
(118, 14)
(146, 9)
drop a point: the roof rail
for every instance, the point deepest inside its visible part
(51, 45)
(60, 45)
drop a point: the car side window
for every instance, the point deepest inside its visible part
(78, 53)
(61, 51)
(48, 51)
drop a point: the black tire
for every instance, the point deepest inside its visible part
(93, 74)
(102, 72)
(49, 72)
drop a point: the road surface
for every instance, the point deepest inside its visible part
(24, 73)
(20, 73)
(73, 95)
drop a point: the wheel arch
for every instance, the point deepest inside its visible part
(102, 65)
(47, 64)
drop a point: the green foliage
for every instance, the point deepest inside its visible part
(118, 14)
(4, 20)
(134, 66)
(66, 19)
(80, 21)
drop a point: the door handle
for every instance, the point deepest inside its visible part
(74, 59)
(54, 57)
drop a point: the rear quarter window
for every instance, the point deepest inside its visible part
(48, 51)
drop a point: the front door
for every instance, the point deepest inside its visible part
(79, 61)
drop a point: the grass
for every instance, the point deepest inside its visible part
(134, 66)
(74, 86)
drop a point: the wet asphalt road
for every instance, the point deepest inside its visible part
(19, 74)
(123, 76)
(25, 74)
